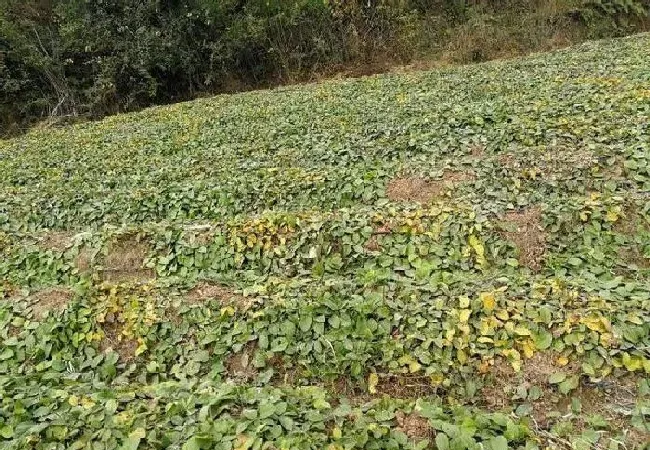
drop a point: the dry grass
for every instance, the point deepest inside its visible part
(413, 189)
(420, 190)
(60, 241)
(203, 292)
(528, 235)
(535, 372)
(125, 262)
(56, 240)
(84, 261)
(406, 386)
(200, 234)
(51, 300)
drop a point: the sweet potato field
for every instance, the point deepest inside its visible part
(453, 259)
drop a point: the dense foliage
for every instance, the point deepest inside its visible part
(91, 58)
(458, 258)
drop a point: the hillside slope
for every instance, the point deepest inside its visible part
(451, 259)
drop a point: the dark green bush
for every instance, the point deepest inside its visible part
(69, 58)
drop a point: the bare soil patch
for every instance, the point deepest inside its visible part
(116, 340)
(477, 151)
(239, 366)
(633, 256)
(549, 164)
(614, 399)
(528, 235)
(535, 372)
(414, 426)
(372, 244)
(421, 190)
(125, 262)
(51, 300)
(630, 222)
(283, 375)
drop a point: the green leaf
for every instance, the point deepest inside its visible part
(133, 441)
(6, 354)
(543, 339)
(498, 443)
(305, 323)
(569, 384)
(557, 377)
(442, 441)
(6, 431)
(574, 261)
(192, 444)
(266, 410)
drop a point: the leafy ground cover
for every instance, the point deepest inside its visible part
(456, 259)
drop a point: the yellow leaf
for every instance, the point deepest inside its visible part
(562, 361)
(606, 339)
(522, 331)
(462, 356)
(87, 403)
(632, 363)
(502, 314)
(73, 400)
(373, 379)
(414, 366)
(611, 216)
(336, 433)
(227, 311)
(138, 433)
(529, 348)
(436, 379)
(243, 443)
(476, 244)
(513, 357)
(463, 301)
(464, 315)
(594, 324)
(488, 300)
(251, 240)
(141, 348)
(487, 327)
